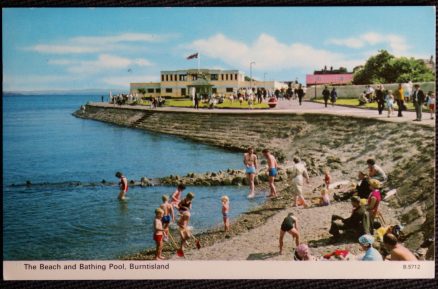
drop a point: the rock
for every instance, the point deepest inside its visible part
(413, 214)
(227, 181)
(28, 183)
(213, 174)
(333, 159)
(103, 181)
(145, 182)
(131, 182)
(237, 181)
(245, 181)
(414, 226)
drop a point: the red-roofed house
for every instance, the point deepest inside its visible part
(331, 79)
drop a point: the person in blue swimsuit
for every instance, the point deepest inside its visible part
(250, 162)
(272, 171)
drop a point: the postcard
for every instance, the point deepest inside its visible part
(222, 143)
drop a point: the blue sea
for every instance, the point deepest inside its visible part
(44, 143)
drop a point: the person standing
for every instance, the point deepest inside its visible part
(373, 202)
(326, 95)
(380, 98)
(389, 102)
(333, 96)
(418, 100)
(196, 101)
(431, 103)
(250, 162)
(297, 176)
(272, 171)
(289, 225)
(400, 99)
(123, 184)
(300, 94)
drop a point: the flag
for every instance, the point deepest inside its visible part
(195, 55)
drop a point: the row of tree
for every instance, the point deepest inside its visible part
(386, 68)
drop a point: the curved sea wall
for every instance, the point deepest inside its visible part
(404, 150)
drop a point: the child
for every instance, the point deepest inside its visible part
(158, 233)
(327, 178)
(168, 215)
(325, 198)
(176, 196)
(389, 102)
(431, 103)
(225, 209)
(123, 184)
(186, 203)
(183, 226)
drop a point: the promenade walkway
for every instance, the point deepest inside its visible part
(286, 107)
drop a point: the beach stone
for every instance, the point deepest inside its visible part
(333, 159)
(413, 214)
(414, 226)
(237, 180)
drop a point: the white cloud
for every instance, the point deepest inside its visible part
(269, 54)
(35, 81)
(96, 44)
(123, 81)
(104, 62)
(396, 43)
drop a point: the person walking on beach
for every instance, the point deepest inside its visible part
(176, 196)
(297, 175)
(289, 225)
(123, 184)
(196, 101)
(183, 227)
(380, 98)
(168, 215)
(250, 162)
(158, 233)
(333, 96)
(225, 210)
(326, 95)
(400, 99)
(418, 100)
(272, 171)
(186, 203)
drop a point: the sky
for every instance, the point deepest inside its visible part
(104, 48)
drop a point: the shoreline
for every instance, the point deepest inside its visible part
(343, 145)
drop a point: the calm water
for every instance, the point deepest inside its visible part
(43, 142)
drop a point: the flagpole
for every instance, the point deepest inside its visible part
(199, 60)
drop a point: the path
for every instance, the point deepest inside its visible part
(287, 107)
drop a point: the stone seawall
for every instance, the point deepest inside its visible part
(405, 151)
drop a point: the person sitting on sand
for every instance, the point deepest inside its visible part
(289, 225)
(325, 198)
(250, 162)
(183, 227)
(366, 242)
(398, 252)
(168, 215)
(225, 210)
(362, 189)
(374, 200)
(123, 184)
(186, 203)
(176, 196)
(376, 172)
(158, 233)
(302, 253)
(297, 175)
(272, 171)
(357, 224)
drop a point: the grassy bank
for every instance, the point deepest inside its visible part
(353, 102)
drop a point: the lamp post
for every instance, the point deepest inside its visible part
(250, 74)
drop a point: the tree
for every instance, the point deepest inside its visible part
(386, 68)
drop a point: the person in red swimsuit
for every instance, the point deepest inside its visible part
(123, 185)
(158, 233)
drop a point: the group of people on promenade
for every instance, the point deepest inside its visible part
(397, 99)
(364, 223)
